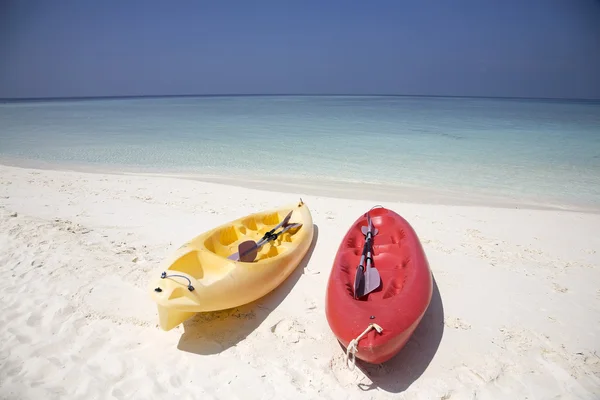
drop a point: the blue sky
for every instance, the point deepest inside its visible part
(521, 48)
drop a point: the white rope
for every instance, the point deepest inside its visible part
(353, 345)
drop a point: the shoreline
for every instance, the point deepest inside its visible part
(335, 189)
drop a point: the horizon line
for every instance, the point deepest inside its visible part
(116, 97)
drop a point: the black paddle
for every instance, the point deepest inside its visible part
(248, 250)
(359, 278)
(367, 280)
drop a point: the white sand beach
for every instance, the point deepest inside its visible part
(515, 312)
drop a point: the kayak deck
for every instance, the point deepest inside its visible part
(389, 257)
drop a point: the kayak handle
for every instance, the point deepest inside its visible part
(190, 287)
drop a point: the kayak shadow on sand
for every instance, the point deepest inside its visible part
(397, 374)
(213, 332)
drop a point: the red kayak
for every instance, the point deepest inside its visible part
(375, 326)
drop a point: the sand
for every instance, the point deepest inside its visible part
(515, 312)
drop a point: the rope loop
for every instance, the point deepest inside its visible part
(352, 348)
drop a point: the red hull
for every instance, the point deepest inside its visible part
(399, 303)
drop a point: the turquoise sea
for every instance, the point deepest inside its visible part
(539, 150)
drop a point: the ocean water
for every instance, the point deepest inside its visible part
(546, 150)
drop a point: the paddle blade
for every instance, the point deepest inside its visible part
(283, 222)
(373, 230)
(246, 252)
(359, 282)
(292, 226)
(372, 280)
(365, 230)
(286, 219)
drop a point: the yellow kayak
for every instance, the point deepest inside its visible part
(223, 268)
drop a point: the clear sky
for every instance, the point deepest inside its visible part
(521, 48)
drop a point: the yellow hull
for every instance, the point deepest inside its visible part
(208, 281)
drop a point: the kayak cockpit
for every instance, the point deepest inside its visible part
(225, 241)
(391, 258)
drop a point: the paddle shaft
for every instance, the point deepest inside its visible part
(367, 249)
(269, 236)
(366, 253)
(367, 277)
(266, 237)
